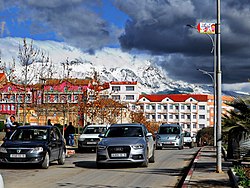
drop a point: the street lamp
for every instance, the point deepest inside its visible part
(214, 79)
(214, 93)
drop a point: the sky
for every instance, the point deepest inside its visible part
(156, 27)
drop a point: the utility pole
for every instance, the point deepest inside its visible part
(218, 91)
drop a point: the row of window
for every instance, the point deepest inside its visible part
(174, 106)
(127, 88)
(171, 116)
(7, 107)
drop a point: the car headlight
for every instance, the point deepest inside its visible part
(81, 139)
(101, 147)
(37, 150)
(138, 146)
(158, 137)
(3, 150)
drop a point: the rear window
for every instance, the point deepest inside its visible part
(169, 130)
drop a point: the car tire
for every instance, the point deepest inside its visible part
(152, 158)
(45, 163)
(62, 158)
(158, 148)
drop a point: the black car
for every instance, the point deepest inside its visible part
(34, 145)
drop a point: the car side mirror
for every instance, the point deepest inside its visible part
(101, 135)
(149, 134)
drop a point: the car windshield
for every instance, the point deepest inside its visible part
(29, 135)
(94, 130)
(187, 134)
(169, 130)
(124, 132)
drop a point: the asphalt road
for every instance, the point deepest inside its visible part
(80, 171)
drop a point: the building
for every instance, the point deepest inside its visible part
(192, 111)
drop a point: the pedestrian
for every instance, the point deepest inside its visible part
(10, 126)
(66, 134)
(49, 122)
(70, 131)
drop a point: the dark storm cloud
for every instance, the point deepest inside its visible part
(73, 21)
(159, 27)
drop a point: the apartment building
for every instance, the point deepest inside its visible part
(192, 111)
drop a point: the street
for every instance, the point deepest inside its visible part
(80, 171)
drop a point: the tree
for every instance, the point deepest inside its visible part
(236, 124)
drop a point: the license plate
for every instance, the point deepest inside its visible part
(118, 155)
(91, 142)
(18, 155)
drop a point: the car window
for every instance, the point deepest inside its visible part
(29, 135)
(94, 130)
(124, 132)
(187, 134)
(169, 130)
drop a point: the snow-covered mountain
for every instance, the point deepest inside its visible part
(111, 64)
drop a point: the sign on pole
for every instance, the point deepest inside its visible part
(206, 28)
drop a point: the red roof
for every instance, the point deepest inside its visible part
(123, 83)
(175, 97)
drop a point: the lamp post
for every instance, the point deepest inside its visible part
(214, 78)
(214, 93)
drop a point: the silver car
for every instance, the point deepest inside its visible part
(126, 143)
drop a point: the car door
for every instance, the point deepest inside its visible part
(53, 145)
(150, 142)
(59, 142)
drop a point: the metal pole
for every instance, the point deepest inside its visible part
(218, 79)
(215, 95)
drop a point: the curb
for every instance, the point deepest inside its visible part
(191, 170)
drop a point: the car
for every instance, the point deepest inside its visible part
(90, 136)
(187, 139)
(169, 136)
(34, 145)
(126, 143)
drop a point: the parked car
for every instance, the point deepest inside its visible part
(126, 143)
(188, 140)
(34, 145)
(169, 136)
(90, 136)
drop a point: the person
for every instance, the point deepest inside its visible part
(66, 135)
(70, 131)
(10, 126)
(49, 122)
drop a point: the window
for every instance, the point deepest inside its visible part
(116, 88)
(116, 97)
(69, 98)
(153, 116)
(79, 88)
(65, 88)
(194, 107)
(147, 107)
(165, 116)
(194, 125)
(51, 88)
(153, 107)
(130, 97)
(201, 126)
(147, 116)
(188, 126)
(130, 88)
(201, 107)
(188, 116)
(56, 98)
(176, 116)
(171, 106)
(165, 107)
(9, 88)
(182, 116)
(159, 107)
(159, 116)
(176, 107)
(75, 97)
(182, 107)
(171, 116)
(188, 107)
(201, 116)
(194, 116)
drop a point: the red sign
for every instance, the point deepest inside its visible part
(206, 28)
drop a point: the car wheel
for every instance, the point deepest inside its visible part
(45, 163)
(61, 160)
(158, 148)
(152, 158)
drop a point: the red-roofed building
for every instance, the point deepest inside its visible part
(192, 111)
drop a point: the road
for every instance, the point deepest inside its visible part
(80, 171)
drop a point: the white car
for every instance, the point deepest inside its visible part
(90, 136)
(1, 182)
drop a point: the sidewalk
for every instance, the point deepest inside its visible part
(203, 170)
